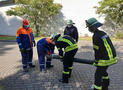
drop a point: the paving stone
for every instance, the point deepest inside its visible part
(12, 76)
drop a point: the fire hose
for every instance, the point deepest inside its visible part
(78, 60)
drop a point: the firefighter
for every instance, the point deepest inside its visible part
(105, 54)
(71, 30)
(44, 48)
(70, 49)
(25, 40)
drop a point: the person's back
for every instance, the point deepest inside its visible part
(66, 42)
(102, 40)
(43, 49)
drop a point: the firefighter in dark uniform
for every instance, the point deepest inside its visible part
(105, 54)
(70, 49)
(71, 30)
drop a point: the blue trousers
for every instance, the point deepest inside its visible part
(41, 58)
(27, 58)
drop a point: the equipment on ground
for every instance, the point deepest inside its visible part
(78, 60)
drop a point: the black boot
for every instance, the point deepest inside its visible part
(105, 84)
(31, 65)
(64, 78)
(70, 70)
(25, 70)
(49, 66)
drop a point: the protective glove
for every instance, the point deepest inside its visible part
(61, 58)
(34, 43)
(23, 50)
(48, 52)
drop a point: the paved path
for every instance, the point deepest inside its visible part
(13, 78)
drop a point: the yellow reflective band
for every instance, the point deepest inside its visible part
(98, 87)
(108, 48)
(61, 56)
(65, 40)
(65, 72)
(72, 47)
(58, 48)
(96, 47)
(105, 77)
(69, 67)
(106, 62)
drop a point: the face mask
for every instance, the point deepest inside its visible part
(26, 26)
(69, 25)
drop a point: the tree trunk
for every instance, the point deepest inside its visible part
(37, 30)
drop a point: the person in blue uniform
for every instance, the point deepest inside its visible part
(25, 40)
(44, 49)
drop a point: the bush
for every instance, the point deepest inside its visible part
(119, 35)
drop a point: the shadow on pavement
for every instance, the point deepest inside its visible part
(82, 75)
(5, 47)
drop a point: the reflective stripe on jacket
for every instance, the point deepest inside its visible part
(105, 53)
(67, 43)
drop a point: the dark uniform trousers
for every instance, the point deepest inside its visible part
(67, 64)
(101, 77)
(27, 58)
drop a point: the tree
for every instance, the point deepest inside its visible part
(112, 10)
(38, 12)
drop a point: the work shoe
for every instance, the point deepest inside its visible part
(92, 87)
(63, 81)
(25, 70)
(42, 70)
(51, 66)
(31, 66)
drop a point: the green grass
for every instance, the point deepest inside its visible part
(1, 87)
(7, 38)
(85, 38)
(38, 38)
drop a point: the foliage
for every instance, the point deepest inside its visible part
(112, 10)
(38, 12)
(119, 35)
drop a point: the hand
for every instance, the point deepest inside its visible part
(34, 43)
(22, 50)
(48, 52)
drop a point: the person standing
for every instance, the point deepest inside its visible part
(25, 40)
(71, 30)
(44, 48)
(70, 49)
(105, 54)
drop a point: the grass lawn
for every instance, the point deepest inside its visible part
(38, 38)
(7, 38)
(1, 87)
